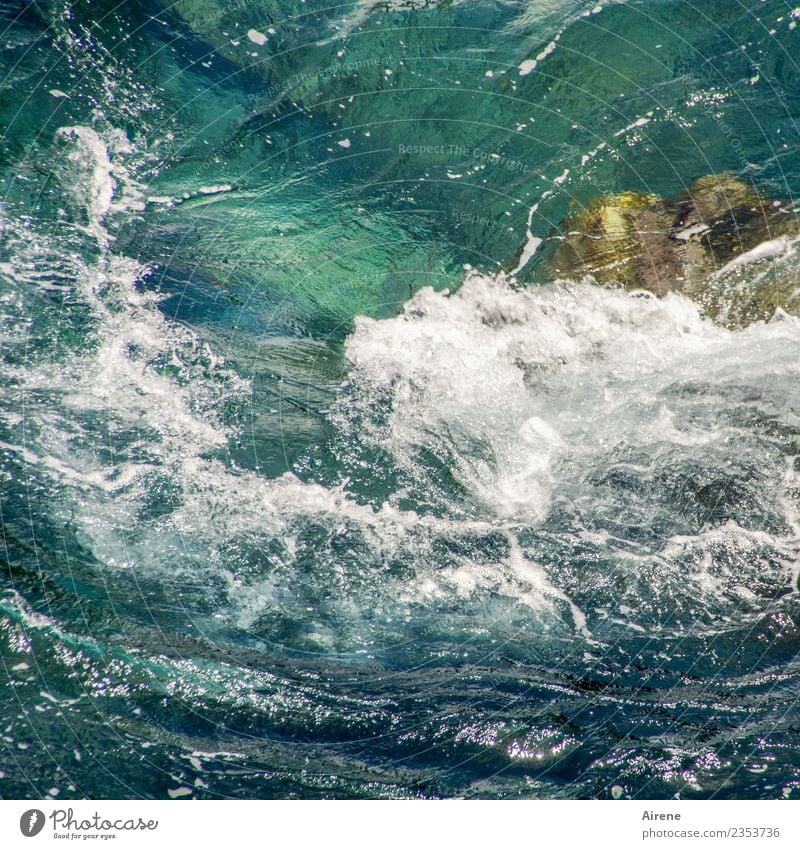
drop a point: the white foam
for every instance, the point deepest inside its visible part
(532, 242)
(153, 382)
(529, 65)
(96, 177)
(522, 393)
(463, 360)
(639, 122)
(769, 249)
(94, 188)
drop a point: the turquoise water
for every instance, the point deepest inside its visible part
(315, 482)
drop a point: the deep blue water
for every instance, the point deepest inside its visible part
(315, 481)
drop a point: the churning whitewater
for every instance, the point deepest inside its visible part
(518, 427)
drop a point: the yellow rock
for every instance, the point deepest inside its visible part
(620, 240)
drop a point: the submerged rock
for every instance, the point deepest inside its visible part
(708, 244)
